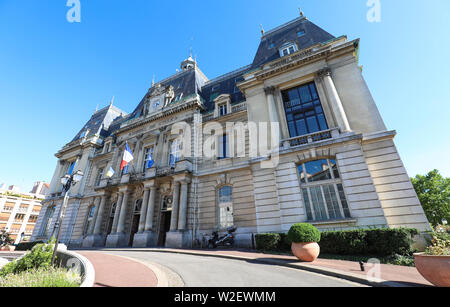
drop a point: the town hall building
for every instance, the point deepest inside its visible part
(337, 168)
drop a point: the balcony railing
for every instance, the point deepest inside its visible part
(310, 138)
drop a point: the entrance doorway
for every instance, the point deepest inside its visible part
(134, 227)
(164, 227)
(135, 220)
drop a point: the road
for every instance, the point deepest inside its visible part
(200, 271)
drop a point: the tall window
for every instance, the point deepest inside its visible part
(89, 219)
(70, 169)
(223, 110)
(304, 111)
(148, 158)
(175, 152)
(99, 176)
(226, 207)
(224, 151)
(45, 229)
(322, 190)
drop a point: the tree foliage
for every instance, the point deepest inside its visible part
(433, 191)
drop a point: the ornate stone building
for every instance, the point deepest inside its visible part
(338, 165)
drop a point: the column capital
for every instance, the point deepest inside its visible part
(324, 72)
(125, 189)
(182, 178)
(270, 90)
(150, 184)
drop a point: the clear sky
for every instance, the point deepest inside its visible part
(54, 73)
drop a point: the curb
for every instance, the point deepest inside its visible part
(299, 266)
(89, 272)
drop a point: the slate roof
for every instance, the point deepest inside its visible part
(225, 84)
(273, 40)
(192, 81)
(100, 122)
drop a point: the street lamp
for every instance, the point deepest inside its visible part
(67, 181)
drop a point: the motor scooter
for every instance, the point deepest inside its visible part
(225, 241)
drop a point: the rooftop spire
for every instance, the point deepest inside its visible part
(262, 30)
(112, 101)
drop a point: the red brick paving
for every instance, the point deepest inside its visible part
(114, 271)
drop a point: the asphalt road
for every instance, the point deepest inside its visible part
(199, 271)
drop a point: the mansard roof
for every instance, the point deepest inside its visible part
(191, 80)
(186, 83)
(225, 84)
(100, 122)
(300, 31)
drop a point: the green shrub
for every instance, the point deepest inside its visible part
(267, 241)
(303, 233)
(26, 246)
(374, 242)
(49, 277)
(285, 244)
(39, 257)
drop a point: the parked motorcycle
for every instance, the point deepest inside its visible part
(225, 241)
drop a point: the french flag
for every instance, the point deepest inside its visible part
(127, 157)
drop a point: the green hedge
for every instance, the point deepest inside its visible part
(267, 241)
(26, 246)
(372, 242)
(379, 242)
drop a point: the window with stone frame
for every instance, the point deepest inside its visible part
(287, 49)
(223, 109)
(225, 207)
(322, 190)
(89, 219)
(148, 158)
(175, 152)
(46, 223)
(99, 176)
(224, 147)
(304, 112)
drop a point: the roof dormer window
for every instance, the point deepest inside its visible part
(288, 49)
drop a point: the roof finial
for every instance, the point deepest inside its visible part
(111, 102)
(96, 109)
(262, 30)
(301, 12)
(153, 80)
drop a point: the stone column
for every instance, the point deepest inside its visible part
(150, 210)
(174, 218)
(273, 113)
(94, 218)
(182, 221)
(117, 213)
(144, 210)
(101, 213)
(335, 101)
(123, 213)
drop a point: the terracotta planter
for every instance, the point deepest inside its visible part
(435, 269)
(307, 252)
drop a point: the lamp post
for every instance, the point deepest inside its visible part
(68, 181)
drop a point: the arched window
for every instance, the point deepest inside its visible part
(226, 207)
(322, 190)
(46, 224)
(89, 219)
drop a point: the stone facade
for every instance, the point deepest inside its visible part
(180, 197)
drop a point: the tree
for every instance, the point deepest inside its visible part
(433, 191)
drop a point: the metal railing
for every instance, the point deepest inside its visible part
(310, 138)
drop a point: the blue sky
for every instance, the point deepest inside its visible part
(54, 73)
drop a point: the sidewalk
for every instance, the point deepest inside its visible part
(114, 271)
(391, 275)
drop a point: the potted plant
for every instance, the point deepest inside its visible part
(304, 239)
(434, 263)
(5, 241)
